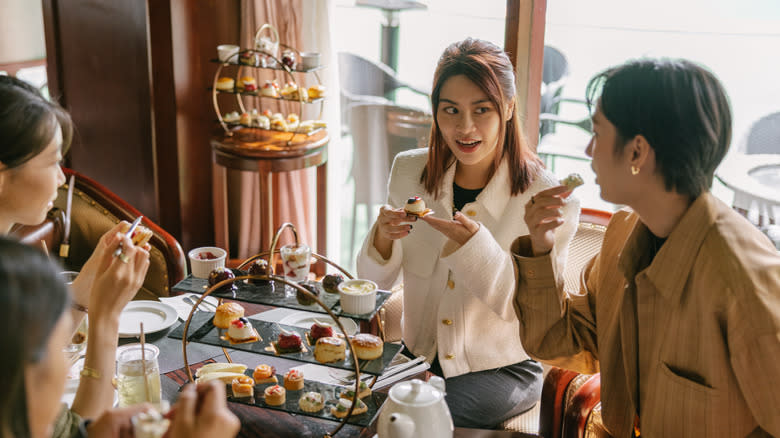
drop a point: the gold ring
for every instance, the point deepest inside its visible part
(123, 257)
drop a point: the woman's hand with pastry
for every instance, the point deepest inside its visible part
(391, 224)
(459, 229)
(543, 214)
(116, 422)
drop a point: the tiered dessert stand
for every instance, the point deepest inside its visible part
(268, 294)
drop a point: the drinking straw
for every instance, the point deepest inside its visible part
(143, 364)
(45, 248)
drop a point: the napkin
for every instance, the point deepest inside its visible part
(183, 308)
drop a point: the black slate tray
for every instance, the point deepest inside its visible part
(202, 330)
(273, 294)
(329, 393)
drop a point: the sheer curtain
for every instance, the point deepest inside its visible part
(292, 190)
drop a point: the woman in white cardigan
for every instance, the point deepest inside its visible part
(476, 176)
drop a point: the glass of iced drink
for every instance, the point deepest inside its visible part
(132, 371)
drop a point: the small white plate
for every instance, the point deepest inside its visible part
(155, 315)
(306, 319)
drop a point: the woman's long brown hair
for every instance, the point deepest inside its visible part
(487, 66)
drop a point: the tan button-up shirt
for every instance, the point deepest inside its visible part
(689, 339)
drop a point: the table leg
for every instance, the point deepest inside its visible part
(220, 204)
(266, 209)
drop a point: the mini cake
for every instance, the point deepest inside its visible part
(263, 122)
(320, 330)
(288, 90)
(270, 89)
(245, 119)
(243, 386)
(222, 274)
(232, 117)
(249, 58)
(573, 181)
(268, 113)
(275, 395)
(258, 267)
(349, 392)
(141, 235)
(311, 402)
(330, 349)
(277, 116)
(305, 299)
(225, 84)
(226, 313)
(241, 331)
(248, 83)
(293, 380)
(316, 91)
(415, 206)
(305, 127)
(288, 342)
(366, 346)
(265, 374)
(331, 283)
(342, 408)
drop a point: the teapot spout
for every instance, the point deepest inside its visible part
(400, 426)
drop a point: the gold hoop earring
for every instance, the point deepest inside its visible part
(634, 170)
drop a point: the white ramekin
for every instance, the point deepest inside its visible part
(357, 303)
(202, 268)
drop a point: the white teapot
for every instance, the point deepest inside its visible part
(416, 409)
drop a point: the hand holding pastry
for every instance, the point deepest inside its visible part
(543, 214)
(116, 422)
(459, 229)
(391, 224)
(202, 412)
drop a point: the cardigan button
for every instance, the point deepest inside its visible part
(450, 356)
(471, 213)
(446, 321)
(450, 284)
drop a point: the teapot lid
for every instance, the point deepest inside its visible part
(417, 393)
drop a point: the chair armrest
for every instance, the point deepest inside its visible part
(51, 231)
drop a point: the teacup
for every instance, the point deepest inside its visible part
(227, 53)
(310, 60)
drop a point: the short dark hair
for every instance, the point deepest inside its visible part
(679, 107)
(33, 298)
(28, 122)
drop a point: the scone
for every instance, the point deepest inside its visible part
(343, 405)
(225, 84)
(366, 346)
(275, 395)
(226, 313)
(293, 380)
(330, 349)
(311, 402)
(265, 374)
(243, 386)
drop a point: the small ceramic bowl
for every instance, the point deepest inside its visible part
(310, 60)
(227, 52)
(357, 296)
(205, 259)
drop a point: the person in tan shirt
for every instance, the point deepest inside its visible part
(680, 311)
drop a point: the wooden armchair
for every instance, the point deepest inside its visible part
(94, 210)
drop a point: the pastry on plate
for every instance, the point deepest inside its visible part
(320, 330)
(311, 402)
(245, 119)
(232, 117)
(330, 349)
(573, 181)
(331, 283)
(220, 367)
(243, 386)
(247, 83)
(288, 342)
(305, 299)
(343, 405)
(279, 125)
(349, 391)
(241, 331)
(293, 380)
(316, 91)
(225, 84)
(416, 206)
(265, 374)
(226, 313)
(270, 89)
(259, 266)
(225, 377)
(275, 395)
(367, 346)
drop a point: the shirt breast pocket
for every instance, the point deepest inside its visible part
(683, 398)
